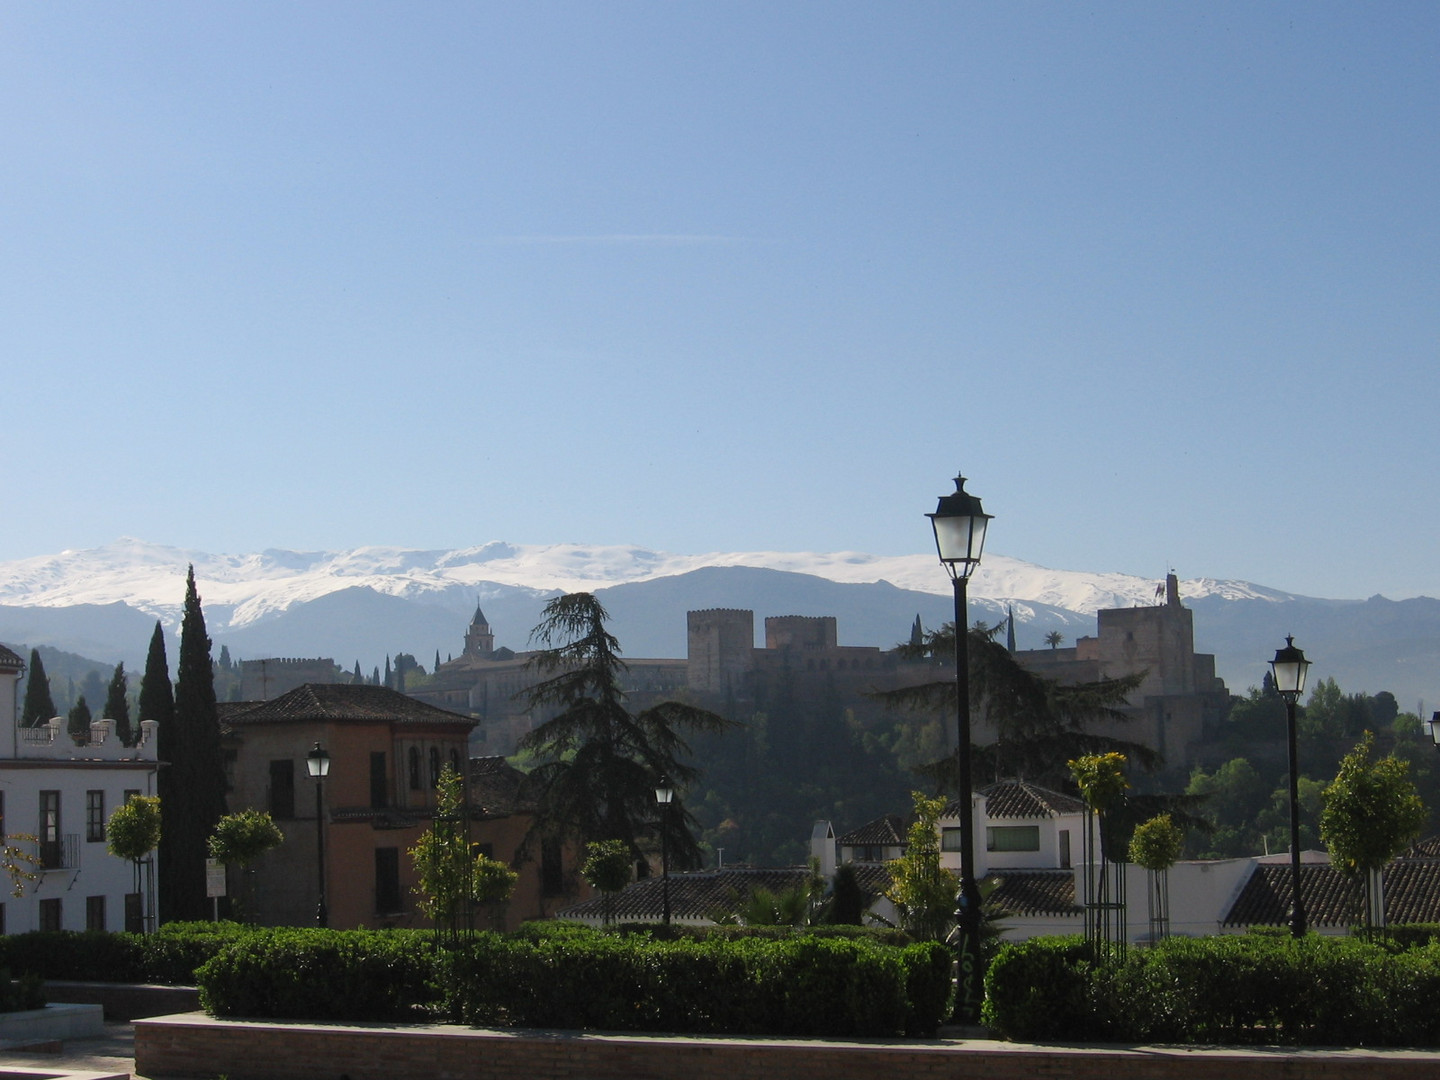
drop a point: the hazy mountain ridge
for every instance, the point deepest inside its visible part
(364, 604)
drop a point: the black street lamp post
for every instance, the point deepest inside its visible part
(1288, 669)
(317, 763)
(959, 524)
(664, 795)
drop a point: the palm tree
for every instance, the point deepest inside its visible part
(1054, 638)
(598, 761)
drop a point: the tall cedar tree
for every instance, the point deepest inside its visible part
(39, 705)
(117, 704)
(598, 761)
(192, 787)
(157, 696)
(1040, 724)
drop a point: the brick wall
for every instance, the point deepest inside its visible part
(195, 1045)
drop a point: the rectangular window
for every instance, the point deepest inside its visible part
(379, 788)
(134, 913)
(552, 870)
(282, 789)
(50, 914)
(1065, 849)
(52, 851)
(949, 839)
(387, 881)
(95, 913)
(95, 817)
(49, 816)
(1012, 838)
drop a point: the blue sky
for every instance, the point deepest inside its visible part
(1162, 279)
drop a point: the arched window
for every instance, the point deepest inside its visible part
(434, 766)
(413, 762)
(455, 761)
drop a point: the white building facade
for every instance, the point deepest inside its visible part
(57, 793)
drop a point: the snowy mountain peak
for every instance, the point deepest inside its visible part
(150, 577)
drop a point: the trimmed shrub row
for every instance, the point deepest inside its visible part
(313, 974)
(796, 985)
(169, 956)
(838, 982)
(1240, 990)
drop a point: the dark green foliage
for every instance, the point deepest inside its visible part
(192, 788)
(547, 929)
(847, 899)
(39, 706)
(795, 985)
(117, 705)
(78, 722)
(1409, 935)
(1229, 989)
(169, 956)
(314, 974)
(842, 982)
(929, 985)
(157, 696)
(597, 760)
(1038, 990)
(1040, 723)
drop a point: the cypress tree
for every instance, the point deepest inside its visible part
(157, 696)
(192, 788)
(117, 704)
(39, 705)
(79, 718)
(356, 678)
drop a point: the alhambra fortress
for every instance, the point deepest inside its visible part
(1179, 702)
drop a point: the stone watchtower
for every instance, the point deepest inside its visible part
(721, 649)
(479, 641)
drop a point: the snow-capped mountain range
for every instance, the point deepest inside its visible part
(150, 577)
(367, 603)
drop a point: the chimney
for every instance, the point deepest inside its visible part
(822, 847)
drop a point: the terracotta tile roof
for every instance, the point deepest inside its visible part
(1034, 892)
(1017, 799)
(1412, 891)
(699, 895)
(888, 831)
(1428, 848)
(498, 788)
(1412, 894)
(9, 660)
(1330, 898)
(341, 702)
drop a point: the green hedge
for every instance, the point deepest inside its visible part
(313, 974)
(1226, 989)
(169, 956)
(791, 985)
